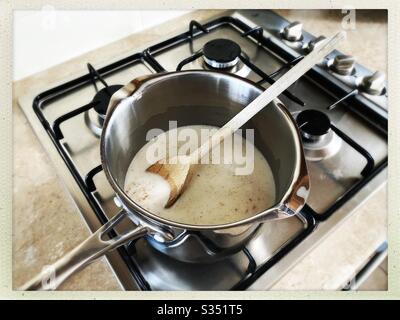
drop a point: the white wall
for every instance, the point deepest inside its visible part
(48, 37)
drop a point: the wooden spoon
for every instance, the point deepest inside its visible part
(177, 170)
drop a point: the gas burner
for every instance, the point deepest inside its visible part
(319, 140)
(221, 53)
(95, 119)
(103, 97)
(314, 125)
(240, 69)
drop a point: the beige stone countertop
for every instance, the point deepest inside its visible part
(47, 223)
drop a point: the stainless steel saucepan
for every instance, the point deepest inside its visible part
(189, 97)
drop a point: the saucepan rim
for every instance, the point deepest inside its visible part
(136, 87)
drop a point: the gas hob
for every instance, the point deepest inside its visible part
(339, 106)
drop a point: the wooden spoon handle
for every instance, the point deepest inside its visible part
(268, 95)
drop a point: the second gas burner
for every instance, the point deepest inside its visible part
(319, 140)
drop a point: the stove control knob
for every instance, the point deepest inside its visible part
(315, 43)
(293, 31)
(343, 64)
(374, 84)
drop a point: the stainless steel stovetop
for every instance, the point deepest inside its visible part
(347, 156)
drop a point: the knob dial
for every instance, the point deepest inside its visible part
(343, 64)
(315, 43)
(374, 84)
(293, 31)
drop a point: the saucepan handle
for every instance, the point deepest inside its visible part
(89, 250)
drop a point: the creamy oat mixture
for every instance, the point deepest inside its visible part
(215, 194)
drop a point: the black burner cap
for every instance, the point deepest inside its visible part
(313, 123)
(103, 98)
(221, 50)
